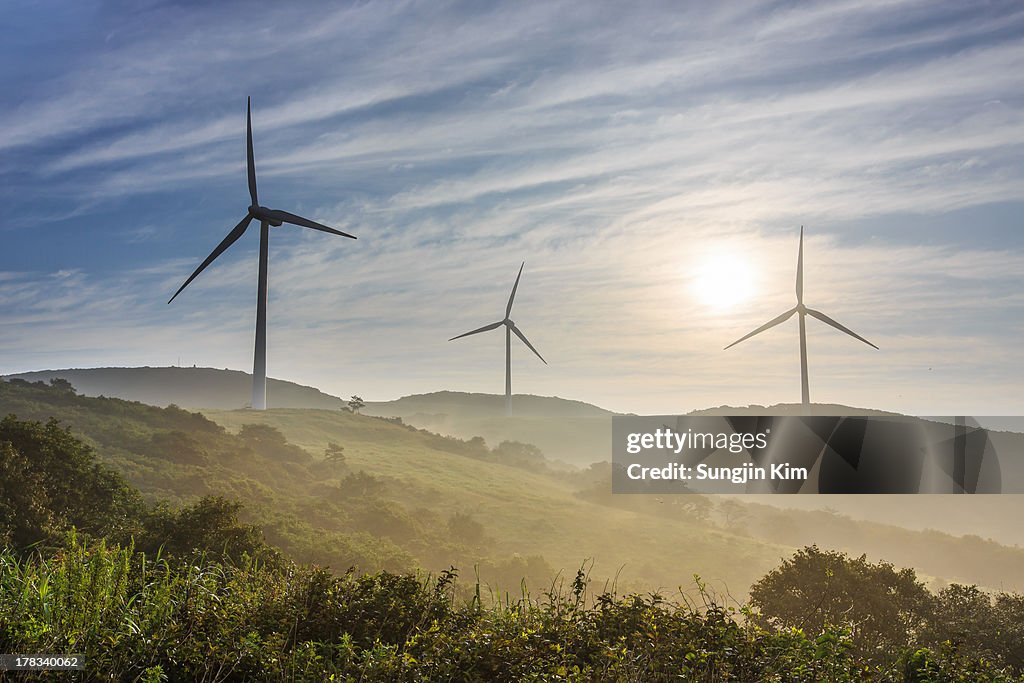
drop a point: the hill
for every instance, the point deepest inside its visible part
(468, 405)
(399, 497)
(184, 387)
(794, 409)
(568, 431)
(565, 430)
(577, 431)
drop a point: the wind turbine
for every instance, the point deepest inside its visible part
(267, 217)
(804, 311)
(510, 329)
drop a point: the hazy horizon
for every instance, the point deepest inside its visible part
(652, 165)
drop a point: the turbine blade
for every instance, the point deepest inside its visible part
(480, 329)
(250, 163)
(526, 341)
(800, 269)
(771, 323)
(286, 217)
(508, 309)
(829, 321)
(225, 243)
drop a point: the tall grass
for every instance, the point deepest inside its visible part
(149, 620)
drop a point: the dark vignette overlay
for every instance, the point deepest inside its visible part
(817, 454)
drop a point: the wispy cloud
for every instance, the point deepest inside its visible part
(609, 146)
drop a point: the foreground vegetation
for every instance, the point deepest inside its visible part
(135, 618)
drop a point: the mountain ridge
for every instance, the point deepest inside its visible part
(149, 384)
(136, 383)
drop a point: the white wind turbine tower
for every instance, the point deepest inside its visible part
(804, 311)
(267, 218)
(510, 329)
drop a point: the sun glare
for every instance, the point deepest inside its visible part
(722, 280)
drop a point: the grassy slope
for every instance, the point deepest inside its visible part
(566, 431)
(583, 436)
(522, 512)
(649, 539)
(528, 513)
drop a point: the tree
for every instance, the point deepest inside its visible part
(1008, 615)
(177, 446)
(734, 514)
(25, 514)
(261, 435)
(269, 442)
(979, 624)
(61, 384)
(334, 454)
(359, 484)
(519, 454)
(883, 608)
(465, 528)
(475, 447)
(210, 525)
(355, 404)
(50, 481)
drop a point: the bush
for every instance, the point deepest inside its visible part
(178, 447)
(50, 482)
(883, 608)
(250, 621)
(211, 526)
(517, 454)
(271, 443)
(465, 529)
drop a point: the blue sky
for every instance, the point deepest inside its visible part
(651, 163)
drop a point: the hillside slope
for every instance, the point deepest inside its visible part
(658, 541)
(571, 431)
(400, 497)
(567, 431)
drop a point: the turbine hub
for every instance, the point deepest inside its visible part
(265, 215)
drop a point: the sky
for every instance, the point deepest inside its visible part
(651, 163)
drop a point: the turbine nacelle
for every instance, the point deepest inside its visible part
(265, 215)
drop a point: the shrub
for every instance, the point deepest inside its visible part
(883, 608)
(50, 482)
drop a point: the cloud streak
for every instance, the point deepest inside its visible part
(608, 146)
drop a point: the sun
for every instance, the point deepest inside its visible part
(722, 280)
